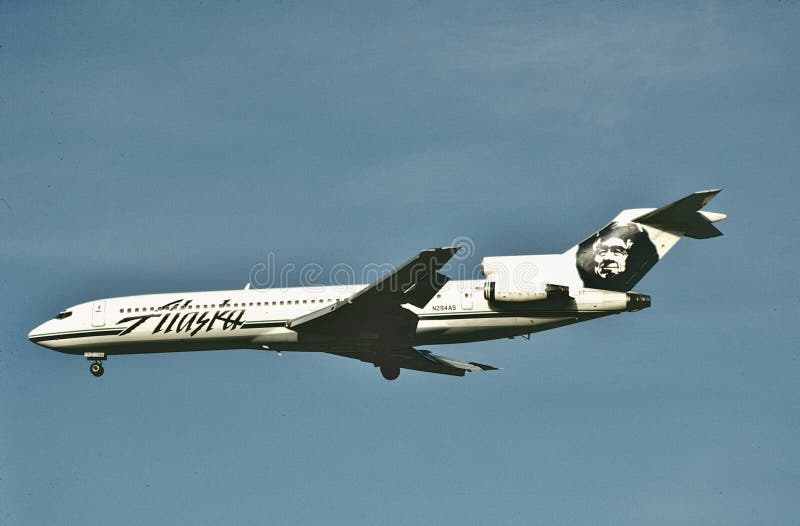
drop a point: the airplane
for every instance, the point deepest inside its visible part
(384, 323)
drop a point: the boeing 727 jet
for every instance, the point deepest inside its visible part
(384, 323)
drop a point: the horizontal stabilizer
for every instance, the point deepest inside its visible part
(684, 216)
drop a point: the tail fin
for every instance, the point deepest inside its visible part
(619, 255)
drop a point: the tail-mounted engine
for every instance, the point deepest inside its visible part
(493, 293)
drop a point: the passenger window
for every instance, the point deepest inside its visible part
(305, 302)
(121, 311)
(281, 303)
(129, 310)
(258, 304)
(297, 302)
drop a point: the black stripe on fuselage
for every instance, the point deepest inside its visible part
(263, 324)
(282, 323)
(76, 334)
(115, 332)
(528, 314)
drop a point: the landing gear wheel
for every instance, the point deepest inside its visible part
(390, 372)
(97, 369)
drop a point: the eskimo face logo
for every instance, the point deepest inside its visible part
(610, 256)
(616, 257)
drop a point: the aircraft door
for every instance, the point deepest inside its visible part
(466, 299)
(98, 313)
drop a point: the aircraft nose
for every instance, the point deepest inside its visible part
(37, 332)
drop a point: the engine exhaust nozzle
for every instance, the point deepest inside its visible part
(637, 301)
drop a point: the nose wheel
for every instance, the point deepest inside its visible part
(97, 367)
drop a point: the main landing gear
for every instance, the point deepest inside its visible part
(97, 367)
(390, 372)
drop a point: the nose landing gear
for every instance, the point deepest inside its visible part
(97, 367)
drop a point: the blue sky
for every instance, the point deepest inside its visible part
(151, 147)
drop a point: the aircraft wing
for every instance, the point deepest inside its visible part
(376, 312)
(419, 360)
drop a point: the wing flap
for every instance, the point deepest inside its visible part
(452, 363)
(418, 360)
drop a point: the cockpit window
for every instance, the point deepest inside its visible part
(63, 314)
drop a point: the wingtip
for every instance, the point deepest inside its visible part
(708, 195)
(451, 250)
(445, 250)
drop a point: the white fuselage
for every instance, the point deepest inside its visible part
(256, 319)
(415, 304)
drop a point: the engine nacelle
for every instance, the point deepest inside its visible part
(492, 293)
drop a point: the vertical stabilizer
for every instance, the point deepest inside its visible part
(619, 255)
